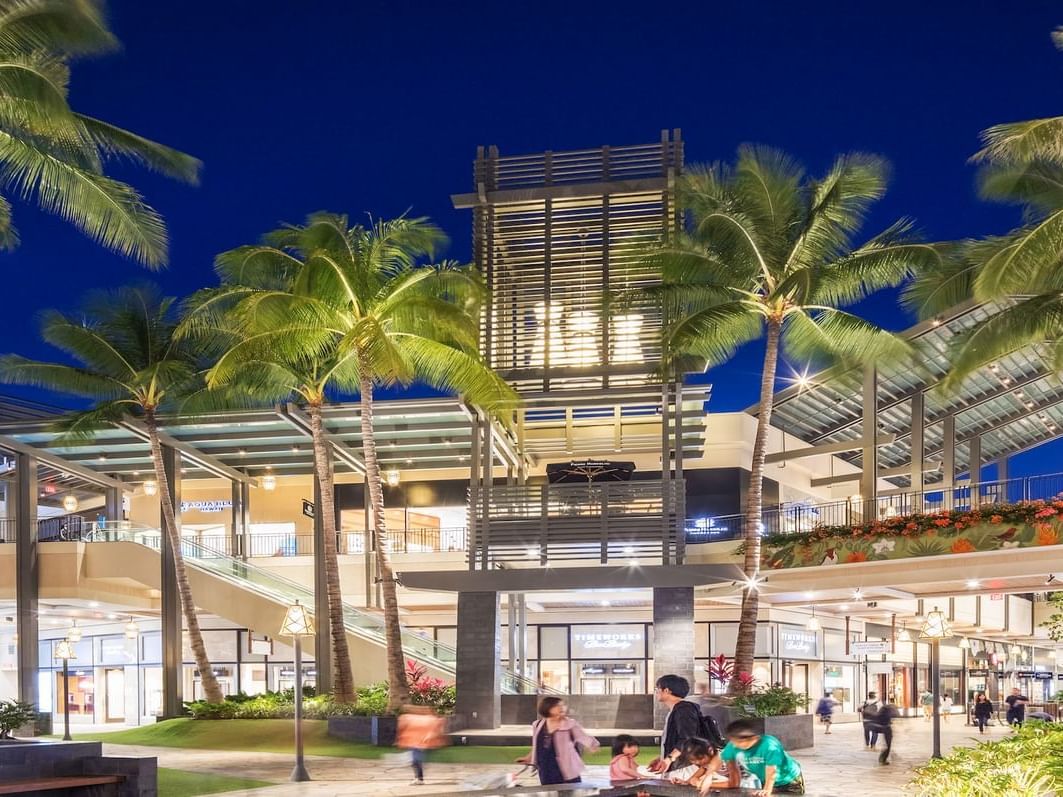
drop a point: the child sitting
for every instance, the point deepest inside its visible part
(625, 751)
(698, 753)
(761, 763)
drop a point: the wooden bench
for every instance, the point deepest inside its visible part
(60, 783)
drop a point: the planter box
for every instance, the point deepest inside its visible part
(374, 730)
(795, 731)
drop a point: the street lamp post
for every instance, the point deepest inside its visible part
(64, 652)
(935, 628)
(297, 624)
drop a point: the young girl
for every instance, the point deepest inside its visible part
(698, 753)
(625, 751)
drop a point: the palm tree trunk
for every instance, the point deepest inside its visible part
(169, 523)
(398, 688)
(343, 676)
(747, 623)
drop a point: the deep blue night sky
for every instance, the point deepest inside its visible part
(378, 107)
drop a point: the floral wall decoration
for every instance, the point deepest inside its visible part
(992, 527)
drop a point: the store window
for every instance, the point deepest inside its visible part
(553, 642)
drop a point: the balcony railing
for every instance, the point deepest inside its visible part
(604, 521)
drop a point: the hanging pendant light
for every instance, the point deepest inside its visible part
(132, 630)
(73, 634)
(151, 487)
(813, 622)
(903, 635)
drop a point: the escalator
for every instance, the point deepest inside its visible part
(252, 596)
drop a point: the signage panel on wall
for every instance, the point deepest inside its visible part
(218, 505)
(869, 647)
(608, 641)
(799, 643)
(308, 508)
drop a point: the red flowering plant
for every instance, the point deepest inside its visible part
(428, 691)
(743, 682)
(721, 669)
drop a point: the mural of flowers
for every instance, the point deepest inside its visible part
(963, 545)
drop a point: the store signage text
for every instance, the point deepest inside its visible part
(607, 641)
(207, 506)
(978, 673)
(623, 669)
(795, 641)
(869, 647)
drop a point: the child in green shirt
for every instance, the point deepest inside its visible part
(763, 765)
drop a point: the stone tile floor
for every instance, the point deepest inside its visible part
(837, 766)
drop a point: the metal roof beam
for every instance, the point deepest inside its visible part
(63, 465)
(883, 473)
(293, 415)
(826, 448)
(191, 453)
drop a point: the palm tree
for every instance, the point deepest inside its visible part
(55, 156)
(328, 307)
(131, 365)
(767, 251)
(1021, 164)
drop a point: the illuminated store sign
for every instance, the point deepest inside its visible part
(608, 641)
(207, 506)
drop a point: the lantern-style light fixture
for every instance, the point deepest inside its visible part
(297, 621)
(903, 635)
(269, 482)
(965, 643)
(813, 621)
(70, 503)
(151, 487)
(393, 478)
(935, 626)
(132, 630)
(73, 633)
(64, 651)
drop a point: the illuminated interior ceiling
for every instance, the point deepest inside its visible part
(411, 435)
(564, 425)
(1012, 404)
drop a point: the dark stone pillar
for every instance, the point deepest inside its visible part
(241, 522)
(26, 572)
(478, 668)
(322, 628)
(172, 658)
(673, 638)
(112, 504)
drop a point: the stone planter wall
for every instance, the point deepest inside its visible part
(795, 731)
(21, 759)
(374, 730)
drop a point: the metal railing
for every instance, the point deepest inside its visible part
(284, 592)
(794, 518)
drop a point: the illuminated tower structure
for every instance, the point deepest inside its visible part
(561, 239)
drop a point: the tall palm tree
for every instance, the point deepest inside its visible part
(131, 365)
(1021, 164)
(55, 156)
(767, 252)
(326, 308)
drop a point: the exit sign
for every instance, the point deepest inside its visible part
(996, 596)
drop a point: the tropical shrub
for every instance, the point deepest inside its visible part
(428, 691)
(772, 701)
(13, 715)
(1028, 763)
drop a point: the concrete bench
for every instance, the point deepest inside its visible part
(70, 784)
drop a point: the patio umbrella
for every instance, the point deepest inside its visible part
(589, 470)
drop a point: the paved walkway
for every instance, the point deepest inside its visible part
(838, 766)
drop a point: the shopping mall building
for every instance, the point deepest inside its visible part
(582, 543)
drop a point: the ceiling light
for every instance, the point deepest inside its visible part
(936, 625)
(393, 478)
(269, 482)
(813, 622)
(603, 603)
(151, 487)
(74, 633)
(809, 595)
(964, 643)
(858, 594)
(131, 629)
(70, 503)
(94, 604)
(903, 635)
(844, 607)
(295, 449)
(973, 583)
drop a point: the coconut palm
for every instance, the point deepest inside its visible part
(330, 308)
(767, 252)
(55, 156)
(131, 365)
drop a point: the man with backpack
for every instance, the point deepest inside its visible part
(684, 722)
(869, 716)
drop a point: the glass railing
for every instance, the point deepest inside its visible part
(276, 588)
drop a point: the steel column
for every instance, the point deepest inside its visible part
(948, 460)
(680, 487)
(522, 636)
(511, 629)
(666, 477)
(112, 504)
(869, 448)
(974, 468)
(918, 449)
(172, 656)
(322, 621)
(26, 575)
(240, 520)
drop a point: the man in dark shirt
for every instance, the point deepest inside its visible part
(683, 722)
(1016, 707)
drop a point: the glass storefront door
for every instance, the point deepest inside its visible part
(114, 694)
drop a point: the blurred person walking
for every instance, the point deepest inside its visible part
(419, 730)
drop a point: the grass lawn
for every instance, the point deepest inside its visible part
(276, 736)
(176, 783)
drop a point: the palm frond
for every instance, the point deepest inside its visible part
(15, 370)
(446, 368)
(937, 288)
(1036, 184)
(1019, 142)
(115, 141)
(86, 343)
(831, 335)
(1021, 262)
(714, 333)
(77, 427)
(75, 27)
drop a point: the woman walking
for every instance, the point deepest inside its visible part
(983, 710)
(557, 741)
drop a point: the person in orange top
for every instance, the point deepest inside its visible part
(419, 730)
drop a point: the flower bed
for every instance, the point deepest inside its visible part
(992, 527)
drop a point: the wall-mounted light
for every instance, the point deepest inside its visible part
(269, 482)
(151, 487)
(70, 503)
(393, 478)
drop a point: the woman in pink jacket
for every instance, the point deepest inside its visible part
(555, 738)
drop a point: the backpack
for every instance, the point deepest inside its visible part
(869, 711)
(710, 731)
